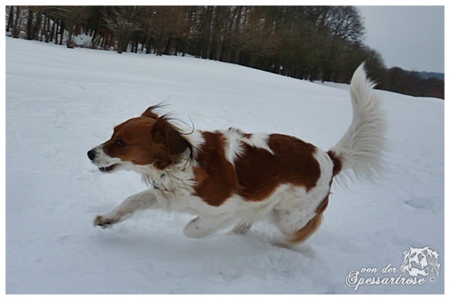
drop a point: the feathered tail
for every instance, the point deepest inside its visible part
(361, 149)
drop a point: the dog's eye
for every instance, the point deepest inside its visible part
(120, 144)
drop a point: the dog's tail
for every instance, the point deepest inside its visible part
(360, 151)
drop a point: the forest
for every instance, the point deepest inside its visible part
(323, 43)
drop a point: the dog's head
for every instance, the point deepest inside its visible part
(148, 140)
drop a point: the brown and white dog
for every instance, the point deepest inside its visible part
(228, 178)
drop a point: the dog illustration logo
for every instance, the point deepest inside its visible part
(420, 262)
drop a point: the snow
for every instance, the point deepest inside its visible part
(61, 102)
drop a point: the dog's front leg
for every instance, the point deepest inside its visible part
(139, 201)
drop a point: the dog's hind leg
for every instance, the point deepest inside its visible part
(139, 201)
(299, 222)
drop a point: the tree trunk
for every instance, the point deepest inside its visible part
(61, 31)
(55, 32)
(38, 26)
(10, 19)
(52, 30)
(16, 27)
(30, 31)
(167, 49)
(69, 41)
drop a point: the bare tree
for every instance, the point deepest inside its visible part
(120, 20)
(71, 16)
(16, 18)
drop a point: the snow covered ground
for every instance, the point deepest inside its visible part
(61, 102)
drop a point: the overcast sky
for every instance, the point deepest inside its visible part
(409, 37)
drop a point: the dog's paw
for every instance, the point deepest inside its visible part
(103, 222)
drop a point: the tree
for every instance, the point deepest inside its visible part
(71, 16)
(15, 20)
(120, 21)
(167, 26)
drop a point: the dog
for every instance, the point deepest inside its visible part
(230, 179)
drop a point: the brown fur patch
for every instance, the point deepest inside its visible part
(256, 173)
(215, 176)
(337, 162)
(322, 206)
(259, 172)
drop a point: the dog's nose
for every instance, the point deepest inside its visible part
(91, 154)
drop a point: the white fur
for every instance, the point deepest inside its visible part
(103, 160)
(233, 147)
(362, 146)
(258, 140)
(236, 138)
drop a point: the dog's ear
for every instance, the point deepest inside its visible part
(149, 113)
(164, 132)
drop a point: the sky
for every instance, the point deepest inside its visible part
(409, 37)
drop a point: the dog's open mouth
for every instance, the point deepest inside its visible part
(108, 169)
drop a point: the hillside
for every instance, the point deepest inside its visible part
(426, 75)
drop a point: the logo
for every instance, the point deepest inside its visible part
(420, 265)
(420, 262)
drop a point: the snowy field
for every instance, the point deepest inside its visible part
(61, 102)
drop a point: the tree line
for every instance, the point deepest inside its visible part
(305, 42)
